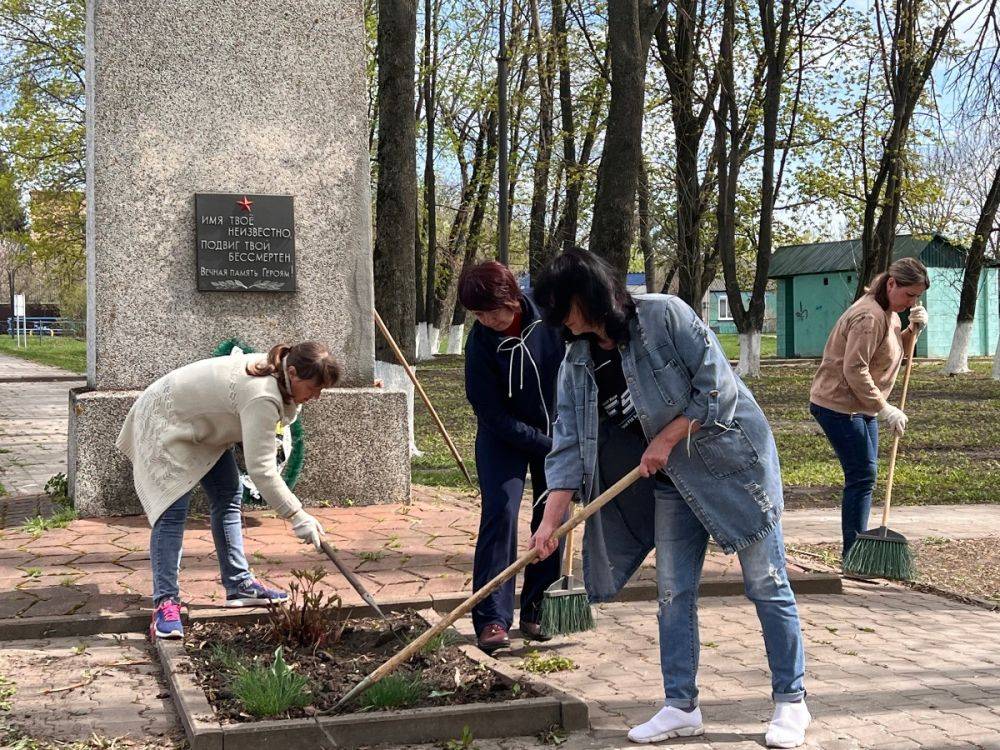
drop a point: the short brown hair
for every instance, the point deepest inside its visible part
(311, 360)
(906, 272)
(487, 286)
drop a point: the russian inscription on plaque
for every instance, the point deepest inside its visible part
(245, 243)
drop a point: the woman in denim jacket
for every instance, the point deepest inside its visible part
(646, 382)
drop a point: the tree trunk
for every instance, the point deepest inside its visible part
(453, 261)
(645, 240)
(613, 225)
(420, 309)
(958, 359)
(996, 362)
(679, 56)
(473, 237)
(503, 213)
(565, 233)
(430, 191)
(396, 191)
(537, 248)
(566, 229)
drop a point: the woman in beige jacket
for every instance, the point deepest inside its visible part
(860, 363)
(181, 431)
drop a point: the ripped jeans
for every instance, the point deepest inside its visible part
(681, 542)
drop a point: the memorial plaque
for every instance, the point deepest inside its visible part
(244, 242)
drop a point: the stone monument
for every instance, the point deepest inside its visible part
(228, 196)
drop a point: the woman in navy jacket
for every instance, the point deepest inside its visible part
(511, 362)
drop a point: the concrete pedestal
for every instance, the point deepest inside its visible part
(355, 439)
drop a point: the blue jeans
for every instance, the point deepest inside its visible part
(854, 438)
(225, 496)
(681, 542)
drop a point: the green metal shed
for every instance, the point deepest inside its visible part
(816, 283)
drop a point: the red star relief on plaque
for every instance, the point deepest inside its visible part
(244, 204)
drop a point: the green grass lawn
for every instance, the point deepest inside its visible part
(58, 351)
(731, 343)
(949, 453)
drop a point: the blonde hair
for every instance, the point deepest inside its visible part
(311, 360)
(906, 272)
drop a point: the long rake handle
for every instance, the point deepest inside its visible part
(511, 570)
(895, 438)
(401, 358)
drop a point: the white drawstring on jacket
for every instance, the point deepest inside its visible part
(520, 343)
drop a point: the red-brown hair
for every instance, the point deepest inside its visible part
(311, 360)
(487, 286)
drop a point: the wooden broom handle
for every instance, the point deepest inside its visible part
(567, 563)
(509, 572)
(423, 395)
(895, 438)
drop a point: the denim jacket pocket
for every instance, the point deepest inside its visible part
(727, 452)
(672, 383)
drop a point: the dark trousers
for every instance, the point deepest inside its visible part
(502, 471)
(854, 438)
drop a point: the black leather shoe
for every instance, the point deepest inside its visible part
(532, 631)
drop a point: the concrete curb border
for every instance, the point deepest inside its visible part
(522, 717)
(26, 628)
(44, 379)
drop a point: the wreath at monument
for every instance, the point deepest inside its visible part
(290, 448)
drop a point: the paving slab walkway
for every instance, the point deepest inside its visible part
(33, 424)
(887, 668)
(912, 521)
(100, 566)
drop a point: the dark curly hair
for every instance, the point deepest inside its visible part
(601, 294)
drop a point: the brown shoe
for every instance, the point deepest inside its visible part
(532, 631)
(493, 637)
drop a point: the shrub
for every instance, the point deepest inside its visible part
(395, 691)
(309, 618)
(270, 691)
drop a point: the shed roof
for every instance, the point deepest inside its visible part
(845, 255)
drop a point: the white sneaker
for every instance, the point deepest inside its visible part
(788, 725)
(669, 722)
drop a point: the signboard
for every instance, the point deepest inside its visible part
(19, 306)
(245, 242)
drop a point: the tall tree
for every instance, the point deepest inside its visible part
(43, 129)
(630, 30)
(396, 193)
(544, 65)
(427, 339)
(503, 223)
(778, 31)
(907, 58)
(679, 40)
(958, 359)
(13, 224)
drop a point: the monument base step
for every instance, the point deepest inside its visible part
(356, 450)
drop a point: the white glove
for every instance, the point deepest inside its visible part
(918, 316)
(894, 418)
(307, 528)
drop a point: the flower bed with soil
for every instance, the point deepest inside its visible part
(274, 682)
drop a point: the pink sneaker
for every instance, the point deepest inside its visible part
(166, 621)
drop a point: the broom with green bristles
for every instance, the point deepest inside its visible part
(882, 552)
(565, 605)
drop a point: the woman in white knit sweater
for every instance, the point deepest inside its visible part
(182, 429)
